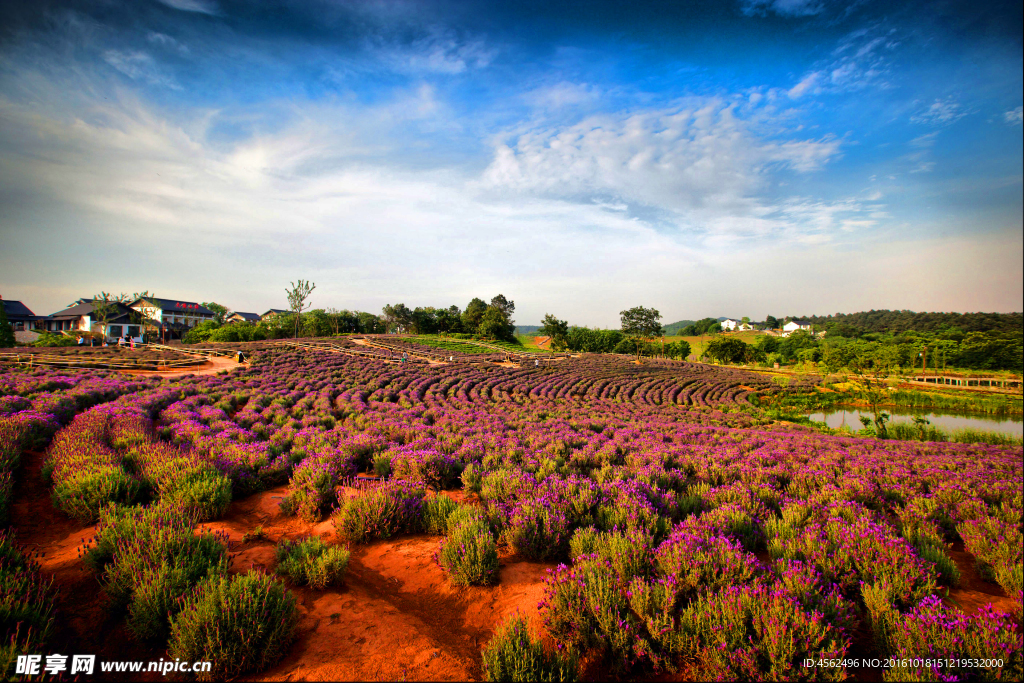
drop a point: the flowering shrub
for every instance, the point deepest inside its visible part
(26, 605)
(380, 512)
(469, 555)
(927, 643)
(147, 557)
(437, 510)
(999, 549)
(311, 561)
(241, 624)
(512, 654)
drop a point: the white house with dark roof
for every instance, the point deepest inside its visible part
(81, 317)
(794, 325)
(273, 312)
(240, 317)
(170, 316)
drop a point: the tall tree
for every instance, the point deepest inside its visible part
(496, 324)
(641, 325)
(297, 296)
(105, 307)
(557, 329)
(220, 313)
(507, 306)
(141, 314)
(473, 315)
(397, 316)
(6, 331)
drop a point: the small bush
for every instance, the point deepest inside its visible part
(241, 624)
(514, 655)
(380, 512)
(26, 606)
(311, 561)
(933, 633)
(436, 511)
(469, 555)
(382, 465)
(81, 497)
(148, 557)
(202, 489)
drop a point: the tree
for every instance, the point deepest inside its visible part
(507, 306)
(6, 330)
(334, 317)
(640, 325)
(728, 350)
(495, 323)
(398, 317)
(557, 329)
(473, 315)
(771, 322)
(220, 313)
(745, 320)
(370, 323)
(297, 296)
(141, 315)
(104, 307)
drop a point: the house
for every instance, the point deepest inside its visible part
(794, 325)
(730, 325)
(272, 312)
(20, 317)
(171, 317)
(239, 317)
(121, 320)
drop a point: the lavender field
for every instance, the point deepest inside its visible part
(682, 533)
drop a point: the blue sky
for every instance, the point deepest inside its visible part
(751, 157)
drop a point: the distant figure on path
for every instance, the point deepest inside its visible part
(241, 357)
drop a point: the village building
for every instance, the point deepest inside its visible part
(81, 317)
(240, 317)
(730, 325)
(21, 318)
(273, 312)
(794, 325)
(172, 318)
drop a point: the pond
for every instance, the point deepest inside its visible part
(839, 416)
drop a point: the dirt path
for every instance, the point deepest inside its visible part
(210, 366)
(396, 616)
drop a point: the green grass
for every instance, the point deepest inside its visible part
(452, 345)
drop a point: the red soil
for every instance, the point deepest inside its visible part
(395, 617)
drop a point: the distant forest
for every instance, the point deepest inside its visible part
(904, 321)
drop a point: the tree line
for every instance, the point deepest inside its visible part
(952, 348)
(480, 319)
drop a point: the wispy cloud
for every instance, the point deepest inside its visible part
(1014, 116)
(138, 66)
(860, 60)
(940, 112)
(788, 8)
(202, 6)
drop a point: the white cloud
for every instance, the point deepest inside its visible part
(940, 112)
(138, 66)
(1014, 116)
(859, 61)
(202, 6)
(164, 40)
(789, 8)
(698, 161)
(439, 52)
